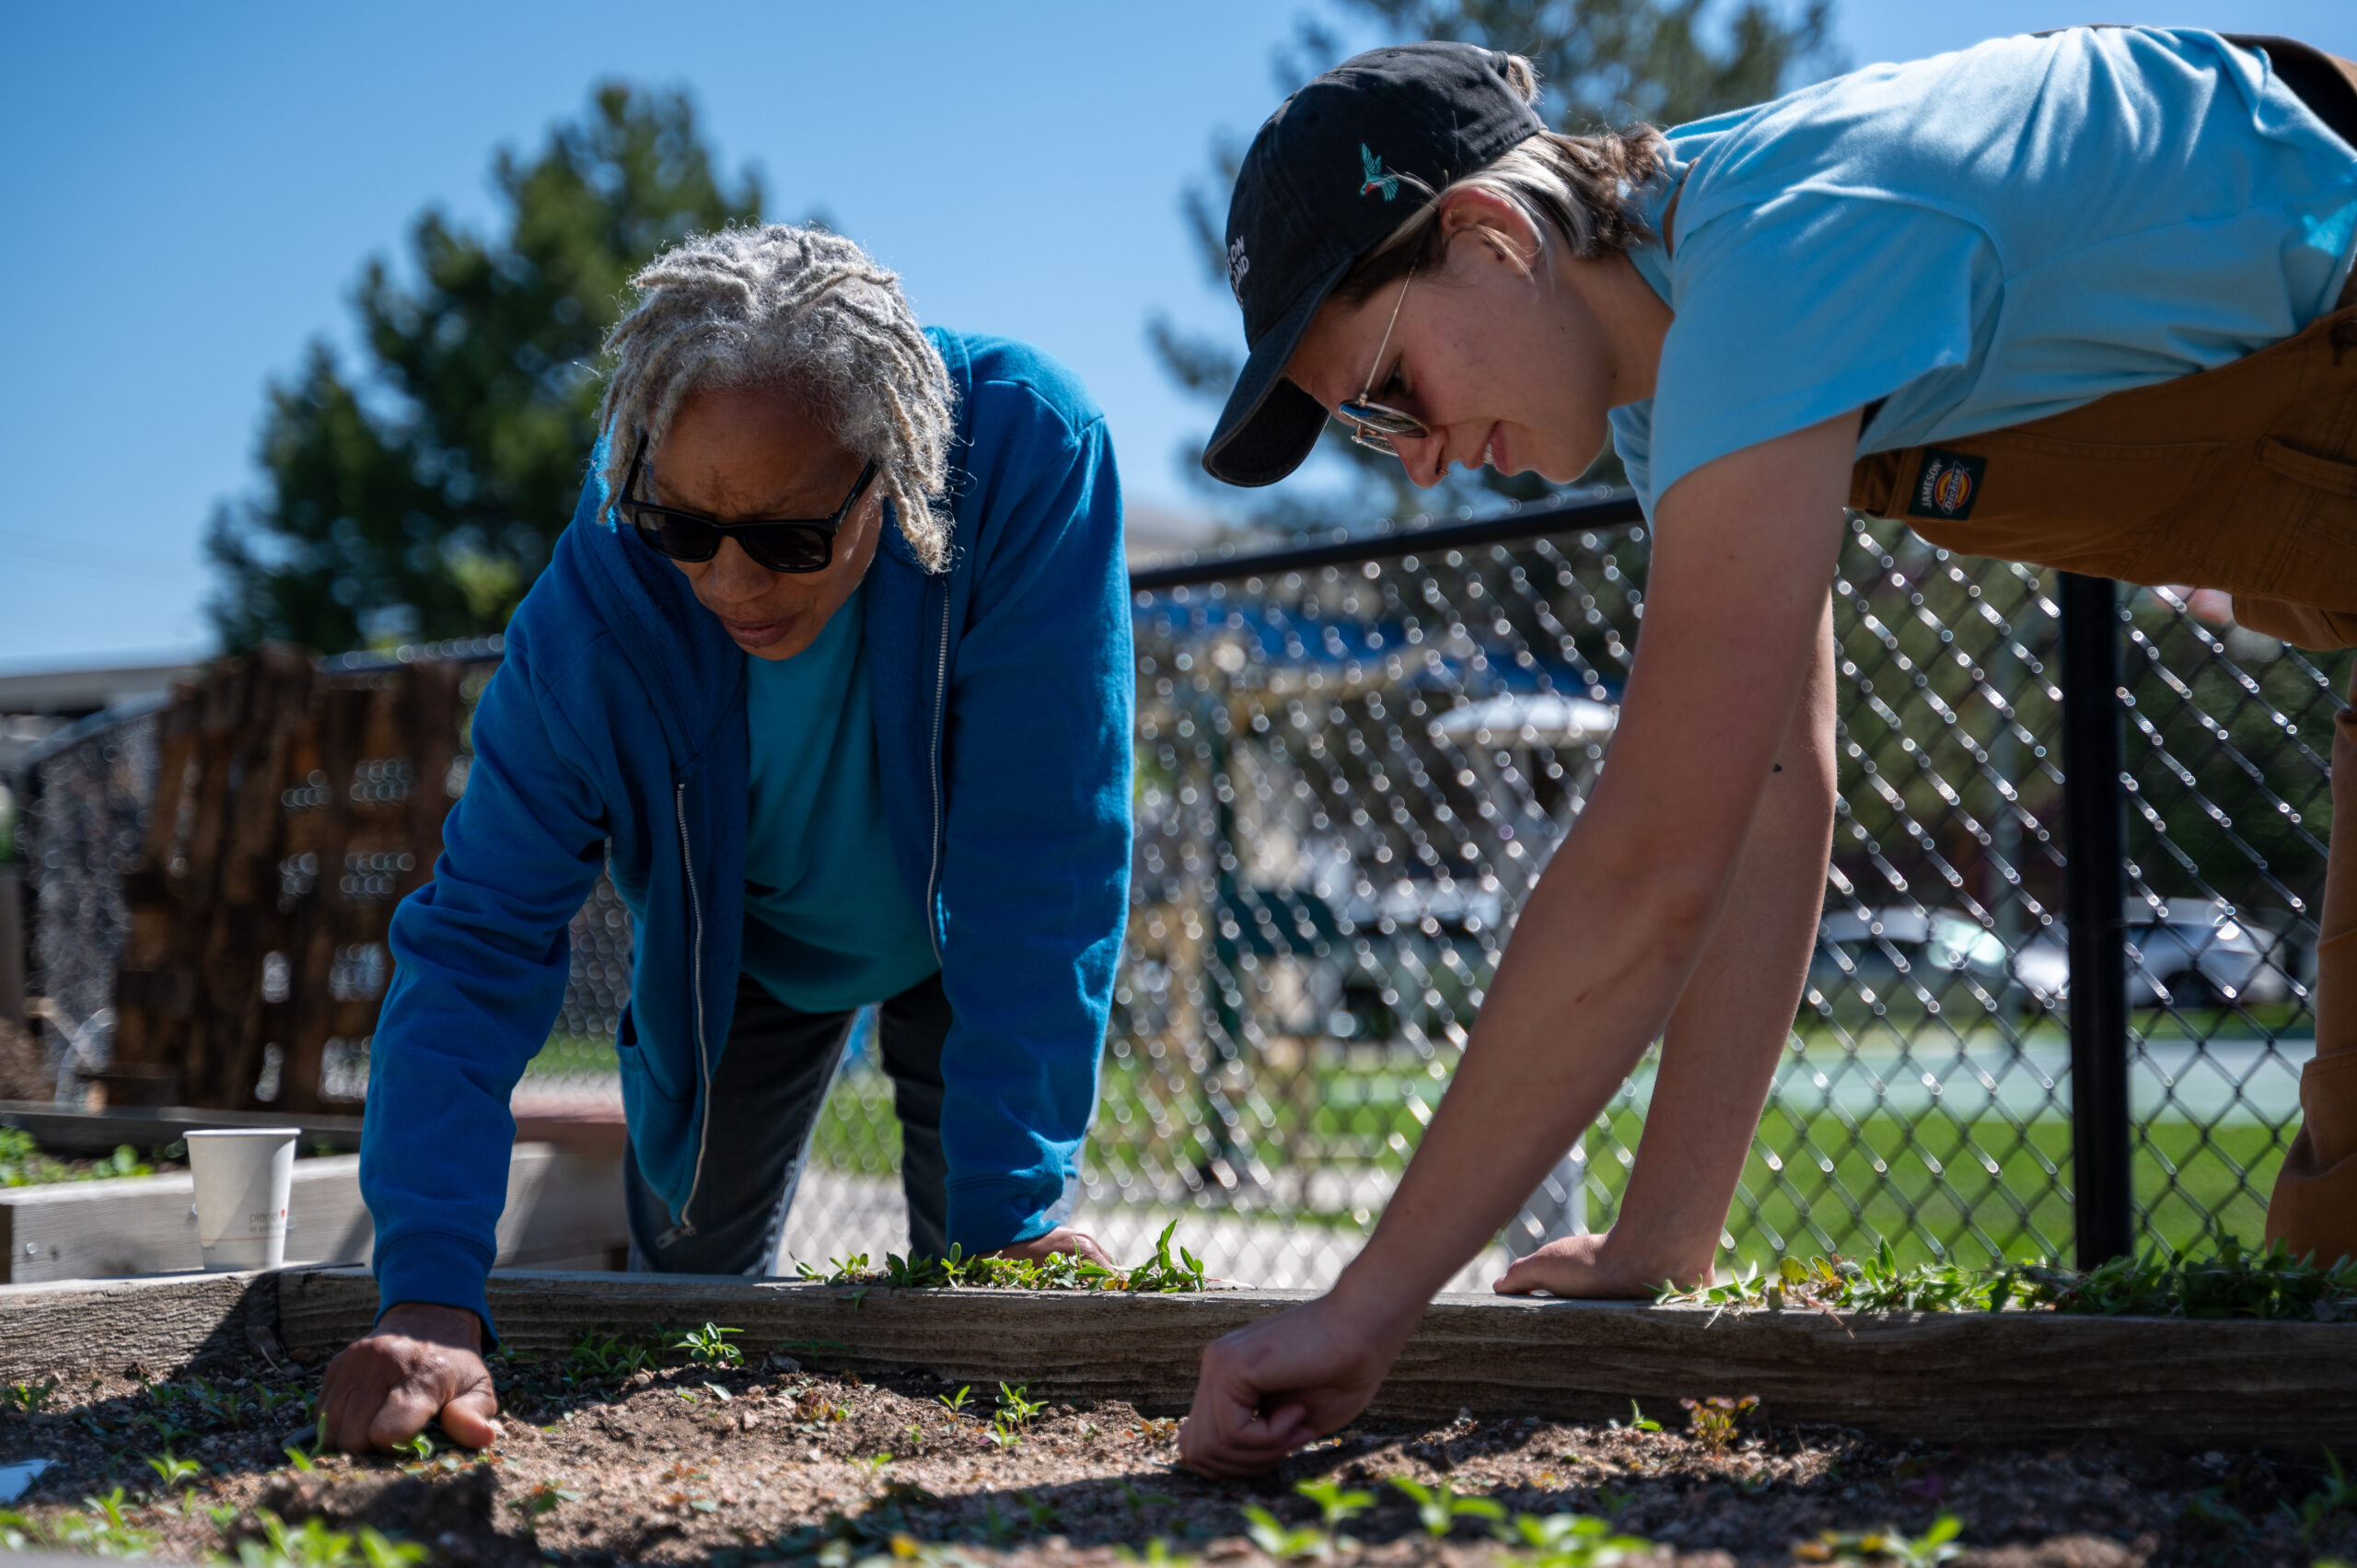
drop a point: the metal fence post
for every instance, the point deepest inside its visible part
(2094, 832)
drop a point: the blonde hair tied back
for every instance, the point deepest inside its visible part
(1578, 190)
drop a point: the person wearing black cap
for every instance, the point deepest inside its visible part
(2081, 298)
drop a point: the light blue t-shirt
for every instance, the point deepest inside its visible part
(829, 925)
(1983, 238)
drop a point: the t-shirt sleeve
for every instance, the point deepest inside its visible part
(1802, 308)
(1632, 442)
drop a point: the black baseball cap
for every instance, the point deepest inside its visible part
(1338, 166)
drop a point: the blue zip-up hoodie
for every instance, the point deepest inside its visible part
(614, 733)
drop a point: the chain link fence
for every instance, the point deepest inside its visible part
(1353, 761)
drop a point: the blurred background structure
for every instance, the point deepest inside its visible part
(1354, 758)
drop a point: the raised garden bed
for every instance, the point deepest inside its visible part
(2052, 1439)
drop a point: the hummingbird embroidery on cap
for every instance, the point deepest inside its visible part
(1376, 178)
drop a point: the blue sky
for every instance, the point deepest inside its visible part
(192, 192)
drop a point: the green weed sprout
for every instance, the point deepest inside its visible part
(709, 1345)
(1016, 1408)
(171, 1469)
(1934, 1546)
(99, 1531)
(528, 1508)
(313, 1545)
(2326, 1502)
(1157, 1554)
(30, 1396)
(1281, 1541)
(955, 1406)
(1438, 1507)
(1715, 1421)
(1571, 1540)
(1639, 1420)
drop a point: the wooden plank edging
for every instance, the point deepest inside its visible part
(156, 1325)
(2014, 1378)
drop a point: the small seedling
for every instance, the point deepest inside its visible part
(1137, 1500)
(1157, 1554)
(955, 1404)
(1017, 1411)
(1572, 1540)
(1336, 1508)
(313, 1545)
(528, 1508)
(708, 1346)
(874, 1464)
(1043, 1515)
(30, 1396)
(1438, 1507)
(171, 1469)
(419, 1447)
(1715, 1421)
(2326, 1502)
(1638, 1421)
(1164, 1272)
(1934, 1546)
(1284, 1543)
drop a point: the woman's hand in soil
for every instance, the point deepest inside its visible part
(1593, 1267)
(420, 1362)
(1285, 1381)
(1063, 1238)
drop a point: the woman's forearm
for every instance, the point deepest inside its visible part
(1735, 634)
(1719, 1054)
(1596, 962)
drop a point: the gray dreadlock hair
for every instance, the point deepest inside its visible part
(800, 307)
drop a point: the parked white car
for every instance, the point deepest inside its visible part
(2188, 952)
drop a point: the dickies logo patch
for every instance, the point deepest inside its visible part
(1946, 485)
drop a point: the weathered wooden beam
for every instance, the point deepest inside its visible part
(2013, 1378)
(563, 1210)
(156, 1325)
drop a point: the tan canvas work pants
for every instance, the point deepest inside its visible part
(2242, 478)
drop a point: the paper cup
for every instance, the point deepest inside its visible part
(243, 1175)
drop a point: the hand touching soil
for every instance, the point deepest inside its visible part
(420, 1362)
(1286, 1381)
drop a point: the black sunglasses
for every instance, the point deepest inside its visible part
(782, 544)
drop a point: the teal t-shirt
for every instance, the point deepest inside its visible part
(829, 925)
(1983, 238)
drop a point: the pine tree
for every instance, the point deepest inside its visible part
(419, 499)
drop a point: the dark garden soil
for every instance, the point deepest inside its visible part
(603, 1461)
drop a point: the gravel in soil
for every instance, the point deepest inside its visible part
(605, 1460)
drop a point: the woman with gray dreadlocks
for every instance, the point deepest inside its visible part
(833, 669)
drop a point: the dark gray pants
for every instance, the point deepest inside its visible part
(764, 1105)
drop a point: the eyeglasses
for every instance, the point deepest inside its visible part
(782, 544)
(1378, 426)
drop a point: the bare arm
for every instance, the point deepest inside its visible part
(1719, 1054)
(1743, 550)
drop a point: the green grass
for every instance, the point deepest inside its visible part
(1928, 1187)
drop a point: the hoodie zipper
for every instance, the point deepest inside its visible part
(704, 1057)
(940, 700)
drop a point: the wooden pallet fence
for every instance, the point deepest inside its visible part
(291, 811)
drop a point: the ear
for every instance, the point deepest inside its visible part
(1500, 226)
